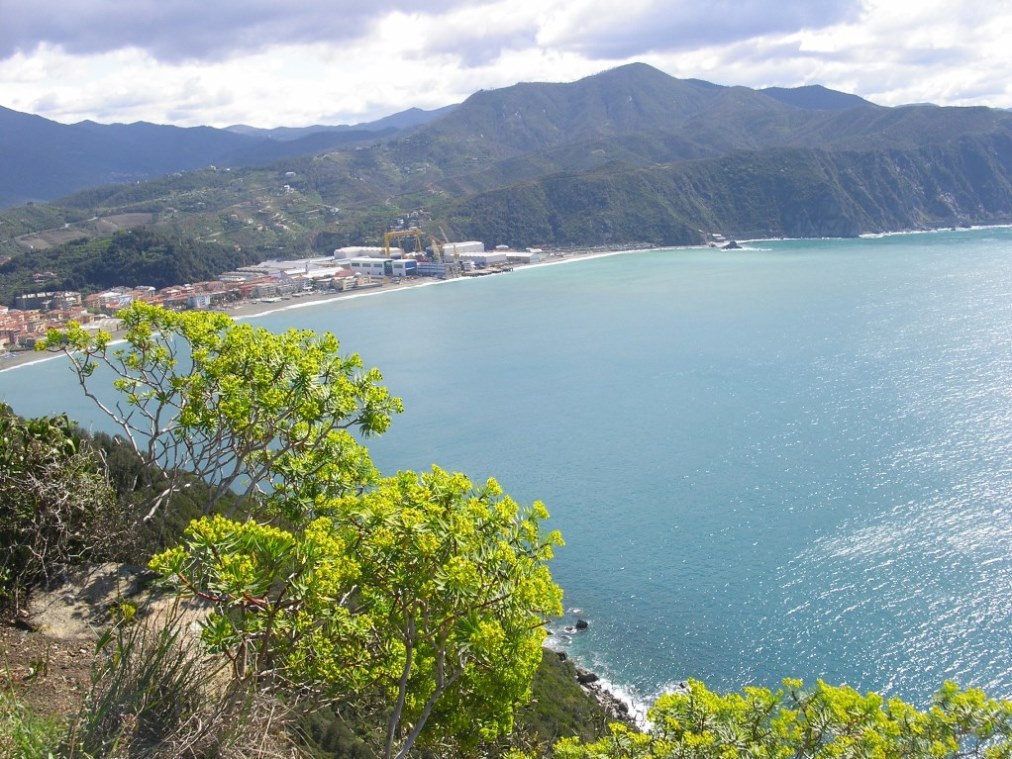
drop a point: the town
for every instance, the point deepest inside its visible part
(348, 268)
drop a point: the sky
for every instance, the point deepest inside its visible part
(269, 63)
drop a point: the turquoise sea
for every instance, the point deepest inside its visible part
(789, 460)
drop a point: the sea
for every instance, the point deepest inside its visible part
(790, 460)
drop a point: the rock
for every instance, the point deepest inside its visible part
(563, 656)
(586, 677)
(582, 624)
(732, 246)
(82, 605)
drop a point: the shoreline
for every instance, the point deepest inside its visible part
(252, 310)
(620, 703)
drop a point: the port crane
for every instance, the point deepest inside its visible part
(401, 233)
(438, 248)
(456, 256)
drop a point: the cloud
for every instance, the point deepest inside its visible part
(604, 29)
(268, 63)
(473, 34)
(185, 30)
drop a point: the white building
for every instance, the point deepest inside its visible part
(451, 249)
(431, 269)
(404, 267)
(486, 258)
(372, 267)
(522, 256)
(359, 251)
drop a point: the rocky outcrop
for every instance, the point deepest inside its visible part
(617, 709)
(82, 606)
(585, 676)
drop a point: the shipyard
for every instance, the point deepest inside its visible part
(403, 261)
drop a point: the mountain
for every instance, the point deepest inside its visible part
(44, 160)
(635, 155)
(815, 97)
(264, 152)
(627, 155)
(640, 108)
(412, 117)
(779, 192)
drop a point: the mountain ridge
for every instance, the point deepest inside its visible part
(627, 155)
(45, 160)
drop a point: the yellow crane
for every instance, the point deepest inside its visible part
(397, 235)
(446, 241)
(437, 250)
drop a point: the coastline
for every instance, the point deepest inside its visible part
(619, 703)
(618, 706)
(253, 310)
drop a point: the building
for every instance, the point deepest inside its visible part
(111, 301)
(47, 301)
(404, 267)
(359, 251)
(451, 249)
(431, 269)
(483, 259)
(522, 256)
(371, 267)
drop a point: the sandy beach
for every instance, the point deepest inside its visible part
(252, 309)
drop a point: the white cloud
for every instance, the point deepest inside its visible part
(182, 30)
(342, 61)
(607, 29)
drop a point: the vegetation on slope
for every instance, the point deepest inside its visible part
(44, 160)
(823, 721)
(132, 258)
(777, 192)
(395, 617)
(418, 600)
(658, 159)
(771, 193)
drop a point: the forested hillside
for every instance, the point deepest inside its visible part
(779, 192)
(132, 258)
(44, 160)
(629, 155)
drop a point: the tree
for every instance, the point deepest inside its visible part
(425, 597)
(792, 722)
(236, 405)
(456, 579)
(419, 597)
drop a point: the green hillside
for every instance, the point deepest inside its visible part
(779, 192)
(629, 155)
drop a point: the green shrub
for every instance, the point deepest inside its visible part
(56, 504)
(24, 734)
